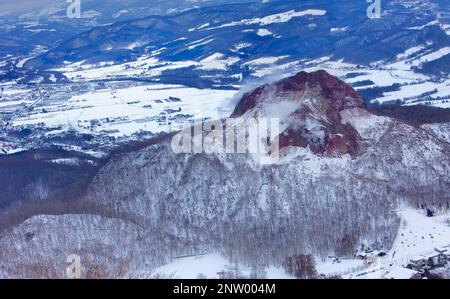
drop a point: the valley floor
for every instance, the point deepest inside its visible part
(418, 235)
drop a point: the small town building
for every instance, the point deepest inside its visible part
(431, 261)
(419, 263)
(438, 259)
(402, 273)
(371, 255)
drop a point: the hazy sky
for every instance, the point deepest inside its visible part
(25, 5)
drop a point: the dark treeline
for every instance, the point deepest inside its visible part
(414, 115)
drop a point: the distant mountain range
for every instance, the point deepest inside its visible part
(33, 24)
(362, 41)
(238, 34)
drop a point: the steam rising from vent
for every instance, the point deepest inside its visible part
(309, 107)
(232, 136)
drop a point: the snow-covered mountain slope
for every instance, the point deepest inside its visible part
(441, 130)
(308, 106)
(251, 213)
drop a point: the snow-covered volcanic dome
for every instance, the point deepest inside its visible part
(308, 106)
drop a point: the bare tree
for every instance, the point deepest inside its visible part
(301, 266)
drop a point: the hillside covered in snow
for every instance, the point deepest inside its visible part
(144, 205)
(352, 180)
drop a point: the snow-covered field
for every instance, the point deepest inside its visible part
(414, 87)
(211, 266)
(418, 235)
(147, 66)
(275, 18)
(124, 111)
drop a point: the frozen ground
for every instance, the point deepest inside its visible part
(211, 266)
(125, 111)
(112, 113)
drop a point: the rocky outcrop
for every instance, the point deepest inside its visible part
(309, 105)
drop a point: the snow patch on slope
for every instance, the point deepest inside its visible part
(264, 32)
(265, 60)
(433, 56)
(276, 18)
(217, 62)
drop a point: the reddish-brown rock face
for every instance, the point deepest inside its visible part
(315, 100)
